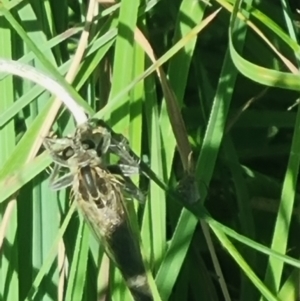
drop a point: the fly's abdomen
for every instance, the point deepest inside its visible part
(129, 260)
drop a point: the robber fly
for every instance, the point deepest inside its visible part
(99, 189)
(96, 138)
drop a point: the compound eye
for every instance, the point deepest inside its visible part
(68, 153)
(88, 144)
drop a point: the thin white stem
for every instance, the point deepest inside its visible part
(47, 82)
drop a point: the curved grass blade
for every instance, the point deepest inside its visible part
(265, 76)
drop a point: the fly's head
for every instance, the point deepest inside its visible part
(59, 149)
(94, 131)
(71, 151)
(114, 143)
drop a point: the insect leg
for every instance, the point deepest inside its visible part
(63, 182)
(115, 143)
(120, 146)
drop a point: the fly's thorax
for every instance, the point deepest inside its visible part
(93, 136)
(82, 158)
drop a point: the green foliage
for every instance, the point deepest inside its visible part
(232, 73)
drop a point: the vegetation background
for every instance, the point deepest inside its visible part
(230, 70)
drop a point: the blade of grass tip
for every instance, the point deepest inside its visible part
(290, 289)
